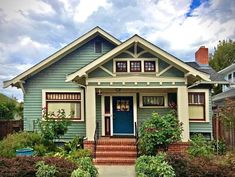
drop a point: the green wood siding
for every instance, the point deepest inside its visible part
(98, 113)
(146, 113)
(54, 77)
(98, 73)
(203, 127)
(173, 72)
(162, 65)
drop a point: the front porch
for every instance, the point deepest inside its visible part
(118, 110)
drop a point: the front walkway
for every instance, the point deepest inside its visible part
(116, 170)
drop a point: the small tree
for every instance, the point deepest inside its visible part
(159, 132)
(53, 126)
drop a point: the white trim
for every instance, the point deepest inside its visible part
(111, 110)
(146, 44)
(164, 70)
(206, 91)
(44, 91)
(61, 53)
(107, 71)
(153, 94)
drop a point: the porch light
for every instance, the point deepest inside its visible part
(99, 92)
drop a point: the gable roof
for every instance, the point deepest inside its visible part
(137, 39)
(214, 76)
(59, 54)
(227, 69)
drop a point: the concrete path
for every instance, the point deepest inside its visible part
(116, 170)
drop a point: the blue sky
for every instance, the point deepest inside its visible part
(32, 30)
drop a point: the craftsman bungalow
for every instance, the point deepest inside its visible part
(118, 84)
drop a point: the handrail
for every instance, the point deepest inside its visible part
(96, 137)
(137, 138)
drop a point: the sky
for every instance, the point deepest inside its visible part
(31, 30)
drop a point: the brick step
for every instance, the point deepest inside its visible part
(116, 154)
(114, 161)
(115, 148)
(117, 142)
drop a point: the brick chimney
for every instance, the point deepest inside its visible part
(201, 56)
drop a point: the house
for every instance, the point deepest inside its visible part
(228, 90)
(119, 85)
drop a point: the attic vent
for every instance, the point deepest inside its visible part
(98, 47)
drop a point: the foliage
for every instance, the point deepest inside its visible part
(73, 145)
(158, 132)
(80, 153)
(85, 163)
(219, 147)
(26, 166)
(222, 57)
(227, 113)
(185, 166)
(8, 110)
(200, 147)
(53, 126)
(80, 173)
(44, 170)
(12, 142)
(152, 166)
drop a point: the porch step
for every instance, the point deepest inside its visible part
(114, 161)
(119, 151)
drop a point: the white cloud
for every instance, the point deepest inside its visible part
(86, 8)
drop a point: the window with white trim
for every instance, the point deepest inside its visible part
(153, 100)
(70, 102)
(196, 101)
(121, 66)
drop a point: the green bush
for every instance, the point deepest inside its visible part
(8, 110)
(80, 153)
(200, 147)
(153, 166)
(44, 170)
(185, 166)
(85, 163)
(219, 147)
(15, 141)
(158, 132)
(76, 143)
(80, 173)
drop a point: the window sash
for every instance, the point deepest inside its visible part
(121, 66)
(153, 100)
(135, 66)
(196, 98)
(149, 66)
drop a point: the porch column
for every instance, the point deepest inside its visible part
(90, 113)
(183, 112)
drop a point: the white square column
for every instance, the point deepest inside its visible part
(183, 111)
(90, 112)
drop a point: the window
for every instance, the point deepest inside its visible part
(98, 47)
(149, 66)
(153, 100)
(121, 66)
(196, 103)
(70, 102)
(123, 105)
(135, 66)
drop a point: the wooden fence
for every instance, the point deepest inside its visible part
(226, 133)
(10, 126)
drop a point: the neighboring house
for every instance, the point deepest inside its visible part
(98, 78)
(228, 91)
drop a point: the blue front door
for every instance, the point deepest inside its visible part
(123, 115)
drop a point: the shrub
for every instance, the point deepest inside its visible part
(158, 132)
(80, 153)
(85, 163)
(8, 110)
(25, 166)
(80, 173)
(185, 166)
(219, 147)
(200, 147)
(76, 143)
(53, 126)
(152, 166)
(15, 141)
(44, 170)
